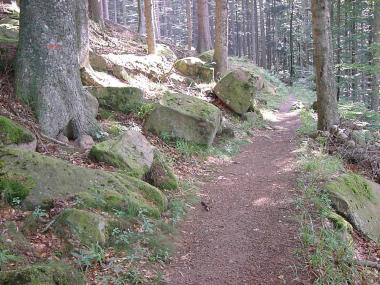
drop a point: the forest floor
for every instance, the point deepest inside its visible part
(245, 231)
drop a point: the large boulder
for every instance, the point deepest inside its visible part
(186, 117)
(130, 151)
(358, 200)
(81, 225)
(99, 62)
(238, 88)
(195, 67)
(53, 178)
(123, 99)
(207, 56)
(54, 273)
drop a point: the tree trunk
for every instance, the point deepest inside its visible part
(106, 15)
(323, 63)
(189, 18)
(221, 38)
(255, 15)
(339, 49)
(141, 19)
(81, 15)
(204, 35)
(263, 58)
(151, 39)
(376, 57)
(291, 44)
(47, 73)
(96, 11)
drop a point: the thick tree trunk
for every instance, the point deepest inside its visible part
(204, 35)
(95, 8)
(323, 62)
(221, 38)
(47, 73)
(189, 18)
(376, 58)
(151, 39)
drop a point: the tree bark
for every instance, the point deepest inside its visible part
(189, 18)
(106, 15)
(262, 35)
(204, 35)
(141, 18)
(96, 11)
(47, 71)
(221, 38)
(151, 39)
(323, 64)
(376, 57)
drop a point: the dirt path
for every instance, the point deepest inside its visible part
(249, 236)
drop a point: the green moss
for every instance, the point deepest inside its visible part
(82, 225)
(54, 273)
(54, 178)
(352, 183)
(160, 174)
(207, 56)
(13, 133)
(339, 221)
(15, 188)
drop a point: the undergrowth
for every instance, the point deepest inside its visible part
(328, 249)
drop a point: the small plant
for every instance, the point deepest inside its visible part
(308, 123)
(87, 258)
(165, 137)
(145, 110)
(6, 257)
(39, 213)
(15, 188)
(189, 149)
(134, 277)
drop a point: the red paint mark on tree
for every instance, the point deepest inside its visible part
(54, 46)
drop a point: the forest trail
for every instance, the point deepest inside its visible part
(249, 236)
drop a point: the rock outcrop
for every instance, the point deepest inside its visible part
(358, 200)
(13, 134)
(45, 179)
(186, 117)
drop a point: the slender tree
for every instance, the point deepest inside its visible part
(189, 19)
(96, 11)
(376, 57)
(204, 35)
(221, 37)
(323, 64)
(149, 18)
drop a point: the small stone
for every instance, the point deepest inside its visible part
(342, 136)
(351, 144)
(84, 142)
(62, 138)
(334, 129)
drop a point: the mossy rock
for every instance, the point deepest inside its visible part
(160, 174)
(9, 30)
(358, 200)
(186, 117)
(56, 179)
(54, 273)
(81, 225)
(15, 188)
(124, 99)
(14, 240)
(194, 67)
(13, 133)
(238, 89)
(166, 52)
(207, 56)
(130, 151)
